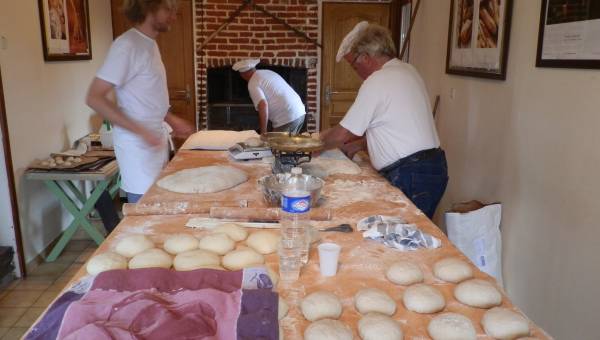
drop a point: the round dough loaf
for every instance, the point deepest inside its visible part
(217, 243)
(328, 329)
(451, 326)
(373, 300)
(321, 305)
(423, 298)
(253, 142)
(234, 231)
(375, 326)
(502, 323)
(106, 261)
(151, 258)
(264, 242)
(196, 259)
(404, 273)
(179, 243)
(477, 293)
(242, 258)
(452, 269)
(132, 245)
(282, 309)
(206, 179)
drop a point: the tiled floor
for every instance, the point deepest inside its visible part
(24, 300)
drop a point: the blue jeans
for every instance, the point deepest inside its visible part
(422, 177)
(133, 198)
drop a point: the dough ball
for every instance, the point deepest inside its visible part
(502, 323)
(451, 326)
(242, 258)
(132, 245)
(151, 258)
(204, 179)
(59, 160)
(328, 329)
(70, 158)
(253, 142)
(77, 160)
(106, 261)
(264, 242)
(67, 163)
(52, 165)
(375, 326)
(282, 309)
(217, 243)
(45, 163)
(477, 293)
(404, 273)
(321, 305)
(452, 269)
(423, 298)
(369, 300)
(178, 243)
(196, 259)
(234, 231)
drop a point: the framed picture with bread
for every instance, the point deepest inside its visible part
(569, 34)
(478, 38)
(65, 28)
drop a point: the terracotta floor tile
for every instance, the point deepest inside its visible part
(78, 245)
(20, 298)
(15, 333)
(50, 269)
(29, 317)
(57, 286)
(3, 330)
(69, 256)
(85, 256)
(29, 284)
(45, 299)
(9, 316)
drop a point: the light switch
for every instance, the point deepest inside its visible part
(452, 93)
(3, 42)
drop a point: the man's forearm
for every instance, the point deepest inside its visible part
(336, 137)
(263, 116)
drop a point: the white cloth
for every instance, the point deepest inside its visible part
(348, 41)
(245, 65)
(392, 108)
(284, 104)
(135, 67)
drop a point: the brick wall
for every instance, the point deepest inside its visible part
(253, 34)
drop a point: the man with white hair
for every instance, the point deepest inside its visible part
(391, 118)
(273, 98)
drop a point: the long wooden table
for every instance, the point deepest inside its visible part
(362, 262)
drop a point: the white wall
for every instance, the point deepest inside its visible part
(45, 108)
(530, 142)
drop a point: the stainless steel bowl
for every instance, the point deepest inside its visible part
(272, 187)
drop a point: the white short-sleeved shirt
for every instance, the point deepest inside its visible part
(284, 104)
(392, 108)
(134, 66)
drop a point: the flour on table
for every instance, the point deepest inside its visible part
(330, 163)
(206, 179)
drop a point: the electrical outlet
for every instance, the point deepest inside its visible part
(3, 42)
(452, 93)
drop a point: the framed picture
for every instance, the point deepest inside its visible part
(569, 34)
(65, 29)
(478, 38)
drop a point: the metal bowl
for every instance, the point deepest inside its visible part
(272, 187)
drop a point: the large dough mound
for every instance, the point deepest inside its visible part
(320, 305)
(203, 180)
(196, 259)
(328, 329)
(502, 323)
(477, 293)
(369, 300)
(423, 298)
(451, 326)
(106, 261)
(375, 326)
(132, 245)
(151, 258)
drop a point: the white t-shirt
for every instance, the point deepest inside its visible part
(135, 67)
(392, 107)
(284, 104)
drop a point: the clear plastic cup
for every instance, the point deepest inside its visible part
(289, 262)
(329, 254)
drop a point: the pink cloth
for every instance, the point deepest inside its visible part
(148, 314)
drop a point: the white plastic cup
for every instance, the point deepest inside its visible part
(329, 254)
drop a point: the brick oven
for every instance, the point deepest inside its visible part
(253, 34)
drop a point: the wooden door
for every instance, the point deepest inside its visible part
(177, 51)
(339, 82)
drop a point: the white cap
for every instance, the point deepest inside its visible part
(245, 65)
(348, 41)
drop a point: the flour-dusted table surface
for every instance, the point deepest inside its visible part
(362, 262)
